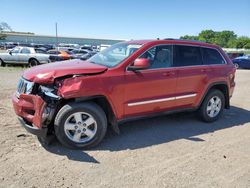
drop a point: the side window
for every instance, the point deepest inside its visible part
(160, 56)
(187, 56)
(40, 51)
(15, 50)
(212, 56)
(25, 51)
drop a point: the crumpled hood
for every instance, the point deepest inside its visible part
(45, 74)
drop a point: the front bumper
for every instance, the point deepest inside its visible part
(33, 130)
(30, 110)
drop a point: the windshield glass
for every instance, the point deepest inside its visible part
(114, 55)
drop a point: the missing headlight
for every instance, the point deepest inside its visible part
(50, 92)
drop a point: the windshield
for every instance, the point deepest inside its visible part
(114, 55)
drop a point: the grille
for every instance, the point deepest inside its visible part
(24, 86)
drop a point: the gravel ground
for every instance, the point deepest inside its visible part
(170, 151)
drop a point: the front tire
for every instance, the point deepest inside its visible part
(213, 105)
(80, 125)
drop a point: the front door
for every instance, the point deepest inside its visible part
(12, 57)
(151, 90)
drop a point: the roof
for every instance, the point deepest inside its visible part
(170, 40)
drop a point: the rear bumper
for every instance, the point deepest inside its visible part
(40, 132)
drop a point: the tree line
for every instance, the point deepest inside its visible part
(4, 27)
(225, 39)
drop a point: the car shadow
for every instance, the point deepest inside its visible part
(158, 130)
(75, 155)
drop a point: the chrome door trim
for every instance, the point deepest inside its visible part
(162, 99)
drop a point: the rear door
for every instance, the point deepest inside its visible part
(192, 75)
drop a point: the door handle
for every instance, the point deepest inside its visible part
(205, 70)
(168, 73)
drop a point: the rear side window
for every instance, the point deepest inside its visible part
(40, 51)
(212, 56)
(187, 56)
(25, 51)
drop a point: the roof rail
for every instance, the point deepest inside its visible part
(169, 39)
(188, 40)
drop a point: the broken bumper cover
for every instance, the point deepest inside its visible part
(29, 109)
(33, 130)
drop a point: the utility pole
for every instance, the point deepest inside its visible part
(56, 36)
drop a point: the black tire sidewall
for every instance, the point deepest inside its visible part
(33, 63)
(2, 64)
(203, 109)
(237, 66)
(90, 108)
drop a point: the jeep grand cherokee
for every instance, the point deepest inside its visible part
(77, 100)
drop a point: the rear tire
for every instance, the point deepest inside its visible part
(2, 64)
(80, 125)
(33, 63)
(213, 105)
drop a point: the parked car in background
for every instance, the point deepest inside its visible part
(10, 45)
(103, 47)
(45, 47)
(59, 55)
(87, 56)
(25, 56)
(86, 47)
(41, 50)
(242, 62)
(64, 49)
(78, 53)
(2, 45)
(77, 100)
(233, 55)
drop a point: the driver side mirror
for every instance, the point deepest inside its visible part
(10, 52)
(140, 64)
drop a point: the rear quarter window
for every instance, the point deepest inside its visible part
(212, 57)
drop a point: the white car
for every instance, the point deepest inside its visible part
(25, 56)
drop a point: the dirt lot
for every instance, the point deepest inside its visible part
(170, 151)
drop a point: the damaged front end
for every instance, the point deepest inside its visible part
(35, 106)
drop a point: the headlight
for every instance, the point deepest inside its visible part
(24, 86)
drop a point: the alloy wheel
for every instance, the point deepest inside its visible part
(80, 127)
(214, 106)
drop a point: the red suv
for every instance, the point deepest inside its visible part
(77, 100)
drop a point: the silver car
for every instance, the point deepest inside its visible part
(25, 56)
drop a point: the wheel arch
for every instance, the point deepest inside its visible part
(223, 87)
(32, 58)
(101, 101)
